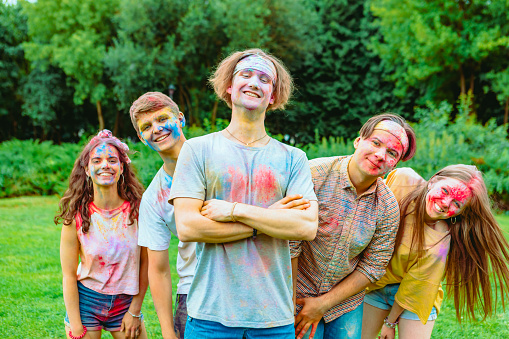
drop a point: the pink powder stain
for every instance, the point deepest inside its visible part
(265, 184)
(237, 183)
(442, 252)
(162, 195)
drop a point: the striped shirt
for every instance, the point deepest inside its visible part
(354, 233)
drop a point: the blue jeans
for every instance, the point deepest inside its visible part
(204, 329)
(347, 326)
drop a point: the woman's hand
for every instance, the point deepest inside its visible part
(131, 326)
(387, 333)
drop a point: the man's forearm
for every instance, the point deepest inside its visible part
(351, 285)
(201, 229)
(160, 288)
(288, 224)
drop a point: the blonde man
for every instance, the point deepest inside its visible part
(225, 184)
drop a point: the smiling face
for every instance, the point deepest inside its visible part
(446, 198)
(160, 130)
(377, 154)
(104, 166)
(251, 89)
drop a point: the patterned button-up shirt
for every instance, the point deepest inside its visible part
(354, 233)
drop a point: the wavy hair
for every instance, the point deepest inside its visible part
(223, 78)
(478, 248)
(80, 192)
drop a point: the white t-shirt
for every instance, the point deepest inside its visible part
(156, 223)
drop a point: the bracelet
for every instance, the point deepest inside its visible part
(80, 336)
(135, 316)
(231, 212)
(389, 324)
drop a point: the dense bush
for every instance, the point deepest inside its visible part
(33, 168)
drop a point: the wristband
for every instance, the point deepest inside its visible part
(231, 212)
(135, 316)
(389, 324)
(80, 336)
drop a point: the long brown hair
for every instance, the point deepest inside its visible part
(478, 248)
(80, 192)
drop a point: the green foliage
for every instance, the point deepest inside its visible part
(13, 67)
(342, 84)
(440, 47)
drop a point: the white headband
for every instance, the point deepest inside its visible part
(396, 130)
(259, 63)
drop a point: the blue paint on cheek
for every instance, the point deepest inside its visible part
(173, 127)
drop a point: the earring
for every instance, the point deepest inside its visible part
(453, 220)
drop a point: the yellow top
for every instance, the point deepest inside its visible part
(419, 280)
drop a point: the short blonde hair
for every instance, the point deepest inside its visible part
(223, 78)
(151, 102)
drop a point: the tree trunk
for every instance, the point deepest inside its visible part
(188, 103)
(214, 113)
(100, 115)
(506, 111)
(117, 121)
(472, 77)
(462, 81)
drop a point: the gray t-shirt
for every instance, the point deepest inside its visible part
(245, 283)
(156, 223)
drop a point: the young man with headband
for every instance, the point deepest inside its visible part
(158, 123)
(358, 221)
(226, 192)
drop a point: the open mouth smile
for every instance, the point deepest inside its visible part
(438, 208)
(251, 94)
(162, 138)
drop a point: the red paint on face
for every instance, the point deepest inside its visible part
(377, 154)
(447, 198)
(265, 185)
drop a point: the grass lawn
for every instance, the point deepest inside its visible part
(31, 299)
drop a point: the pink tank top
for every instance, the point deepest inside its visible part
(109, 251)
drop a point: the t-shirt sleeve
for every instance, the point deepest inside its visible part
(377, 254)
(189, 179)
(153, 232)
(300, 178)
(420, 286)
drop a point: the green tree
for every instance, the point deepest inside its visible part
(13, 68)
(342, 84)
(74, 36)
(179, 42)
(439, 46)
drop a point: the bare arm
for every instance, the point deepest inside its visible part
(193, 226)
(291, 224)
(69, 257)
(159, 275)
(131, 324)
(390, 333)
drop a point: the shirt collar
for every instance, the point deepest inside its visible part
(344, 178)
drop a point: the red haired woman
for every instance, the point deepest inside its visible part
(446, 229)
(104, 269)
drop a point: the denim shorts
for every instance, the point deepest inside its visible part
(101, 311)
(384, 299)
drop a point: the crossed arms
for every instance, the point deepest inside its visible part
(211, 221)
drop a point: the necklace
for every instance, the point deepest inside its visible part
(245, 143)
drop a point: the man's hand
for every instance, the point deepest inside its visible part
(309, 316)
(293, 201)
(387, 333)
(130, 326)
(217, 210)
